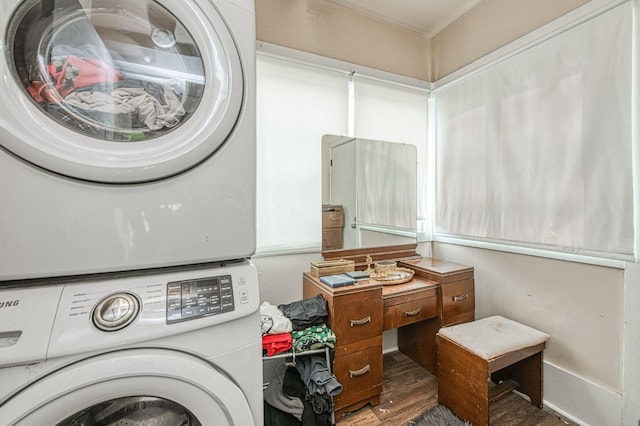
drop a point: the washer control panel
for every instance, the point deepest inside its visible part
(190, 299)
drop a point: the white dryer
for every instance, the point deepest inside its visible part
(127, 134)
(177, 348)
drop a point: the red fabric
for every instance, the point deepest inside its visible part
(57, 87)
(277, 343)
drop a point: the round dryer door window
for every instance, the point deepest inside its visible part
(120, 92)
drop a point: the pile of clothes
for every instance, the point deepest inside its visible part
(79, 86)
(302, 390)
(298, 326)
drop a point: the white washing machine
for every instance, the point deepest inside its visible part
(175, 348)
(127, 134)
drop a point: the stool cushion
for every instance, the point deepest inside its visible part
(493, 336)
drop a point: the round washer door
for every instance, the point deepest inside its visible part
(206, 395)
(118, 92)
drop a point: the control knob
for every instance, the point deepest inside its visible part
(116, 311)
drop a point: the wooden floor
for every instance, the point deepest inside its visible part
(409, 389)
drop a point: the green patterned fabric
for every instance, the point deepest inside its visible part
(314, 337)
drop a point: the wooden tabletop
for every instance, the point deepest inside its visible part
(416, 284)
(435, 265)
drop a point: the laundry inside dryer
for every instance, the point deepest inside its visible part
(107, 72)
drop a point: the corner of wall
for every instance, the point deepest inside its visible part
(631, 399)
(489, 26)
(333, 31)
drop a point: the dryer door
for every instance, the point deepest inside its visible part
(118, 92)
(131, 387)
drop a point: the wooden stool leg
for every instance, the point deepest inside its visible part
(528, 374)
(463, 383)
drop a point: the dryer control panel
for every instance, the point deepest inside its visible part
(191, 299)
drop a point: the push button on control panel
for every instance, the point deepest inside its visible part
(199, 297)
(244, 296)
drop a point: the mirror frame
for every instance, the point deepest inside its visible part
(359, 255)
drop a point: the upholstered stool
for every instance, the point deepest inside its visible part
(480, 361)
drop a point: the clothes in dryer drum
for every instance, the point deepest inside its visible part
(110, 73)
(133, 411)
(114, 73)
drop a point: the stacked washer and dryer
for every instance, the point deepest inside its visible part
(127, 175)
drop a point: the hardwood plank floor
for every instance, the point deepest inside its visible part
(409, 389)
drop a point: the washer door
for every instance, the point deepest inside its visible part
(131, 387)
(118, 92)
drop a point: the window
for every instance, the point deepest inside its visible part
(298, 103)
(395, 113)
(536, 150)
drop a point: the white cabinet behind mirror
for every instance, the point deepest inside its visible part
(370, 185)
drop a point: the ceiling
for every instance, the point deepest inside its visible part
(427, 17)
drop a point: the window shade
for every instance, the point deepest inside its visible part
(386, 184)
(296, 105)
(536, 150)
(392, 113)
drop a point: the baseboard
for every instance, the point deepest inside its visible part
(580, 400)
(390, 341)
(390, 349)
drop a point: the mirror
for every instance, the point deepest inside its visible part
(369, 195)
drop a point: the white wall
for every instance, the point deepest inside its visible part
(631, 400)
(489, 26)
(333, 31)
(280, 277)
(579, 305)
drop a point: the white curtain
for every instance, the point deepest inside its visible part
(535, 150)
(296, 105)
(393, 113)
(386, 184)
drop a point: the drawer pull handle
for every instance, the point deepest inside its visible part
(362, 321)
(461, 297)
(364, 370)
(412, 313)
(335, 219)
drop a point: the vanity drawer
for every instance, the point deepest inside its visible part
(332, 239)
(332, 217)
(409, 312)
(356, 317)
(458, 298)
(360, 374)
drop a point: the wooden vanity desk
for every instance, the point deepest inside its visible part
(355, 316)
(440, 293)
(456, 304)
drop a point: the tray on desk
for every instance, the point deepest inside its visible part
(397, 276)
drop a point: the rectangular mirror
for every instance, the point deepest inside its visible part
(369, 195)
